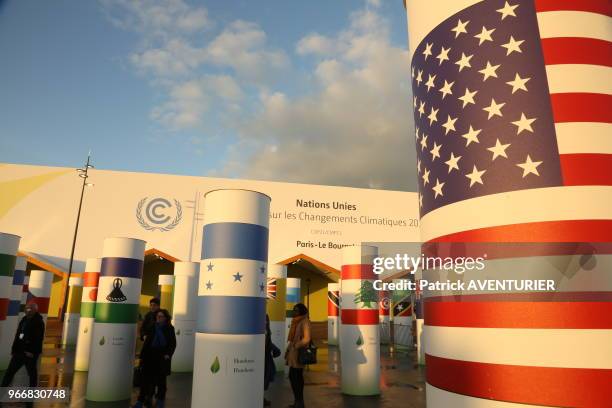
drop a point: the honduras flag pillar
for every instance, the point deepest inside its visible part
(293, 297)
(185, 309)
(275, 307)
(114, 329)
(71, 322)
(333, 311)
(88, 308)
(359, 332)
(230, 338)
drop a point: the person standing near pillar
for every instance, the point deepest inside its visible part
(27, 346)
(298, 337)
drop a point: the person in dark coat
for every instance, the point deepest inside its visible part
(271, 351)
(27, 346)
(155, 360)
(150, 318)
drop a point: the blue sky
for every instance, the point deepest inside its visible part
(314, 92)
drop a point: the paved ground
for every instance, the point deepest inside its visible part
(402, 383)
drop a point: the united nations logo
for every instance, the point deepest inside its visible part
(152, 214)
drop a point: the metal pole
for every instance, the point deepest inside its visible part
(83, 174)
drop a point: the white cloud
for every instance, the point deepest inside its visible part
(354, 128)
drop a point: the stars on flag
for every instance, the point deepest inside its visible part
(460, 28)
(481, 63)
(507, 10)
(489, 71)
(485, 35)
(237, 277)
(529, 167)
(518, 83)
(523, 123)
(209, 285)
(209, 267)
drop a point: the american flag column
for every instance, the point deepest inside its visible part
(511, 104)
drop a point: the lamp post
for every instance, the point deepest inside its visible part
(83, 173)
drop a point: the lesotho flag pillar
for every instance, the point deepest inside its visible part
(88, 308)
(40, 290)
(7, 333)
(402, 316)
(185, 310)
(275, 307)
(166, 283)
(359, 332)
(333, 311)
(114, 329)
(383, 316)
(293, 297)
(230, 338)
(9, 244)
(71, 322)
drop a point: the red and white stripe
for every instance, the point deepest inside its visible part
(577, 47)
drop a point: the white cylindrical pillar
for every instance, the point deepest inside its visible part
(7, 332)
(166, 284)
(333, 313)
(359, 332)
(9, 244)
(40, 291)
(91, 277)
(185, 310)
(275, 307)
(230, 338)
(116, 315)
(293, 297)
(73, 313)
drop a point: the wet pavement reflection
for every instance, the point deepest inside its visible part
(402, 382)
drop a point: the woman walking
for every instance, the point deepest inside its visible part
(299, 337)
(156, 355)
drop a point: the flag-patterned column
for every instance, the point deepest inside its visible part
(25, 295)
(359, 332)
(73, 312)
(87, 313)
(293, 297)
(7, 333)
(185, 309)
(166, 283)
(230, 338)
(116, 315)
(9, 244)
(333, 312)
(402, 316)
(40, 291)
(512, 110)
(384, 306)
(275, 307)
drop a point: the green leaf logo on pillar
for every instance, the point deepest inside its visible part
(102, 341)
(215, 367)
(359, 341)
(86, 330)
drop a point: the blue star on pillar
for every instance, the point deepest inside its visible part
(238, 277)
(209, 267)
(261, 287)
(262, 268)
(209, 285)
